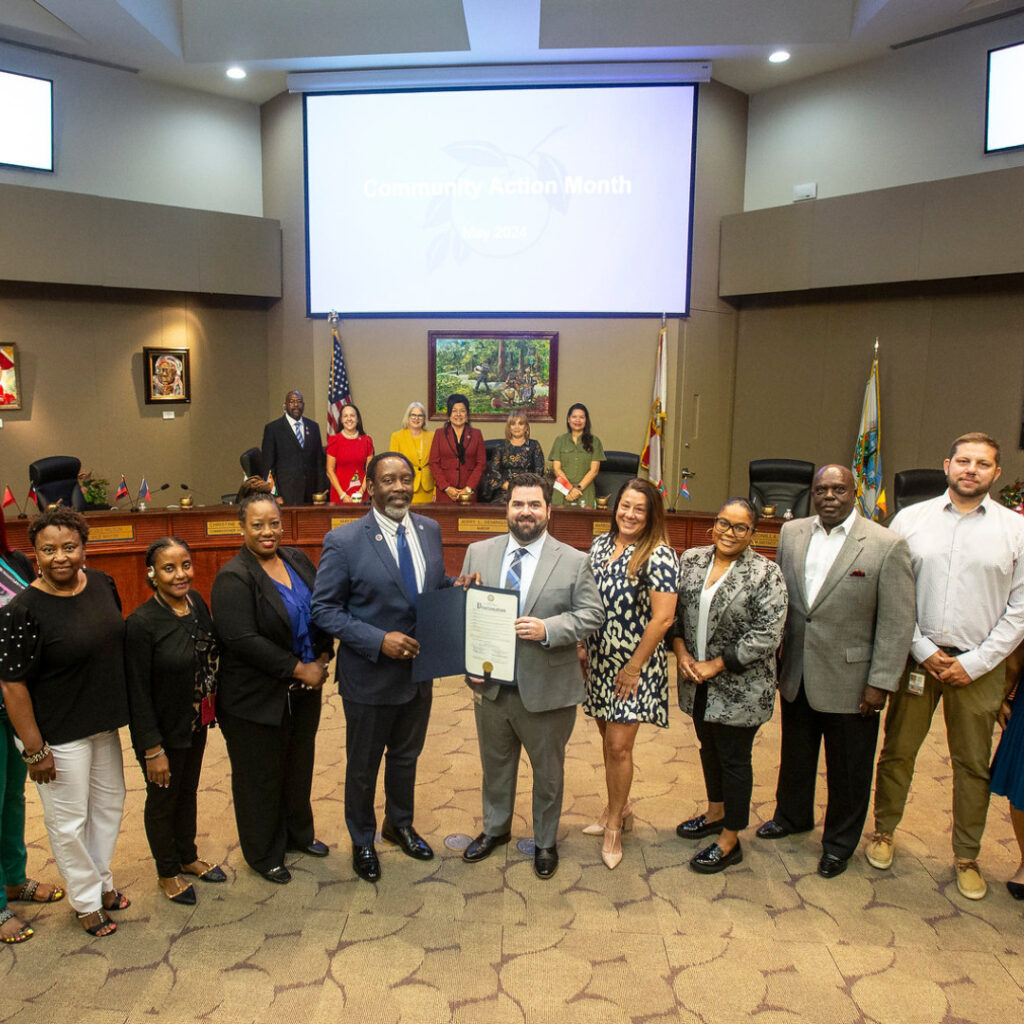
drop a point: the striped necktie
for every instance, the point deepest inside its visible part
(298, 434)
(514, 576)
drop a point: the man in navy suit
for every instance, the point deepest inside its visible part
(299, 466)
(370, 574)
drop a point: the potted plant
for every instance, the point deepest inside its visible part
(94, 490)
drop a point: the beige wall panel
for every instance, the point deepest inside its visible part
(239, 255)
(973, 225)
(856, 241)
(766, 250)
(81, 361)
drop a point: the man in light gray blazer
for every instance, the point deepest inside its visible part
(848, 632)
(559, 605)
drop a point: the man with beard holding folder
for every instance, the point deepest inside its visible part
(559, 605)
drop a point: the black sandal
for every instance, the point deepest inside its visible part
(100, 921)
(118, 900)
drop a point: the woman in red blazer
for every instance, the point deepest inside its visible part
(457, 456)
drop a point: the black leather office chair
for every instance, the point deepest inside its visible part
(617, 468)
(913, 485)
(784, 483)
(56, 480)
(252, 463)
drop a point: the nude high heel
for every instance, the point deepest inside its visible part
(611, 852)
(597, 829)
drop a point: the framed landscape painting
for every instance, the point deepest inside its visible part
(500, 372)
(10, 384)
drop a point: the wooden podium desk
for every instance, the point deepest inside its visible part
(118, 540)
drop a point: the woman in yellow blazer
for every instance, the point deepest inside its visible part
(413, 441)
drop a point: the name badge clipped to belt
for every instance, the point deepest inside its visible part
(915, 683)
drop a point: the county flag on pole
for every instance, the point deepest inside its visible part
(338, 394)
(867, 455)
(653, 448)
(122, 489)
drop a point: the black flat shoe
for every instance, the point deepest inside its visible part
(545, 861)
(699, 827)
(211, 873)
(772, 830)
(314, 849)
(483, 846)
(186, 896)
(365, 863)
(830, 865)
(281, 875)
(711, 859)
(412, 843)
(1016, 890)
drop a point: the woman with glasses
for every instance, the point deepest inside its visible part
(626, 662)
(171, 659)
(729, 620)
(414, 441)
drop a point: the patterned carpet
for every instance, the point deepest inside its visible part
(490, 943)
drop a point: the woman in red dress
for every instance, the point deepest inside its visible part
(348, 452)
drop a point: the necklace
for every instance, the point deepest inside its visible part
(74, 592)
(187, 610)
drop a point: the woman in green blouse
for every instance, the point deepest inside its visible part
(576, 456)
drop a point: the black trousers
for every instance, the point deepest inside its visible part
(850, 742)
(170, 814)
(395, 732)
(725, 756)
(271, 779)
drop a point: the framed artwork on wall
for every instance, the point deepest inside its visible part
(166, 378)
(500, 372)
(10, 383)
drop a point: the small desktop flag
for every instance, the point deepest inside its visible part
(122, 489)
(144, 494)
(651, 457)
(867, 455)
(338, 394)
(684, 490)
(32, 496)
(8, 498)
(273, 484)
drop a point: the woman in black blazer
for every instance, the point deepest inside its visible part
(273, 665)
(170, 658)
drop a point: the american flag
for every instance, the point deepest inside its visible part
(338, 394)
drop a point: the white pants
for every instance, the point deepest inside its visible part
(82, 810)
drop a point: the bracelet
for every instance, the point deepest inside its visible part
(40, 755)
(625, 668)
(159, 753)
(581, 645)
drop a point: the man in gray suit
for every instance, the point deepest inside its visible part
(559, 605)
(850, 622)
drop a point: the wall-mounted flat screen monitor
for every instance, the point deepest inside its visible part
(26, 121)
(561, 201)
(1004, 108)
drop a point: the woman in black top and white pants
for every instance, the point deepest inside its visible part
(171, 659)
(62, 666)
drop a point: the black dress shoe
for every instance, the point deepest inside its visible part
(545, 861)
(483, 846)
(314, 849)
(412, 843)
(772, 830)
(712, 859)
(830, 865)
(1016, 890)
(699, 827)
(365, 863)
(280, 874)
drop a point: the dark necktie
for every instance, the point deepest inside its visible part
(405, 565)
(298, 434)
(514, 577)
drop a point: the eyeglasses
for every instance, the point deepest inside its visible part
(736, 529)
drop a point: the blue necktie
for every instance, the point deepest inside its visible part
(298, 434)
(405, 565)
(513, 577)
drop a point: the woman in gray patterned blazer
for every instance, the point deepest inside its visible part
(729, 621)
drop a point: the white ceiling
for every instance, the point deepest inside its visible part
(191, 42)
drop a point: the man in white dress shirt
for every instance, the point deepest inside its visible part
(968, 558)
(848, 630)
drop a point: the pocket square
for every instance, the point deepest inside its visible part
(857, 572)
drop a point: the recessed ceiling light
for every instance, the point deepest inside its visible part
(237, 72)
(779, 57)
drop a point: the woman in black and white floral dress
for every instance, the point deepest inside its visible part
(627, 677)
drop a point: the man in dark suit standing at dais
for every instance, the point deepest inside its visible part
(848, 631)
(370, 575)
(293, 452)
